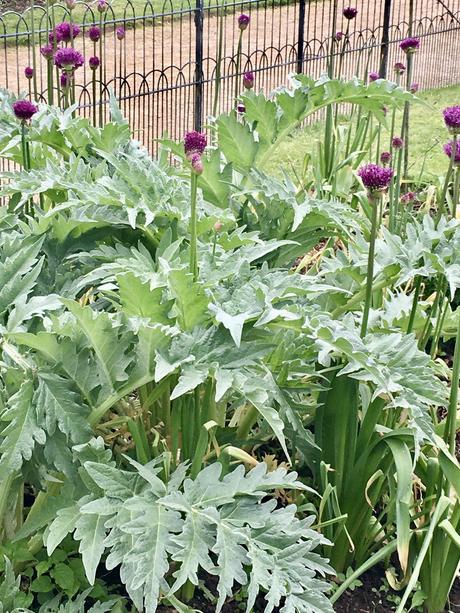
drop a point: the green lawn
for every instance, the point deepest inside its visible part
(427, 131)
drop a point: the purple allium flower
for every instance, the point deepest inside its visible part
(68, 58)
(373, 76)
(399, 68)
(65, 80)
(197, 164)
(349, 12)
(397, 142)
(385, 157)
(409, 197)
(375, 178)
(94, 33)
(240, 108)
(452, 118)
(102, 6)
(338, 36)
(194, 142)
(410, 44)
(248, 80)
(120, 32)
(64, 32)
(414, 87)
(28, 72)
(94, 62)
(23, 109)
(47, 51)
(243, 21)
(448, 150)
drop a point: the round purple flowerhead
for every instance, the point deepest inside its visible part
(410, 44)
(397, 142)
(385, 157)
(102, 6)
(452, 118)
(338, 36)
(120, 31)
(47, 51)
(196, 163)
(375, 178)
(94, 62)
(414, 87)
(94, 33)
(248, 80)
(399, 68)
(449, 151)
(373, 76)
(349, 12)
(240, 108)
(68, 58)
(243, 21)
(24, 110)
(409, 197)
(64, 32)
(194, 142)
(28, 72)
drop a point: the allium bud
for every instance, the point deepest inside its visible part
(70, 4)
(197, 164)
(47, 51)
(452, 118)
(102, 6)
(410, 44)
(120, 32)
(350, 12)
(385, 157)
(248, 80)
(449, 151)
(373, 76)
(94, 62)
(94, 33)
(243, 21)
(375, 178)
(414, 87)
(399, 68)
(28, 72)
(338, 36)
(217, 226)
(240, 108)
(409, 197)
(24, 110)
(397, 142)
(64, 80)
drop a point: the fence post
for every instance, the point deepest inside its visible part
(301, 37)
(384, 45)
(198, 106)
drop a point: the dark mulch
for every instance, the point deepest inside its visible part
(17, 5)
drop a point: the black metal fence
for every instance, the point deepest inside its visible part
(164, 70)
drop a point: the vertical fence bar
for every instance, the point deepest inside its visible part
(301, 37)
(199, 81)
(384, 46)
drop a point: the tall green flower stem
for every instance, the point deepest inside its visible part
(238, 63)
(93, 82)
(413, 312)
(193, 229)
(395, 192)
(218, 79)
(329, 128)
(451, 422)
(26, 160)
(101, 120)
(456, 190)
(374, 199)
(405, 120)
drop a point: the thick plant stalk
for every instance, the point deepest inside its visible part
(373, 199)
(238, 63)
(456, 190)
(34, 42)
(193, 230)
(451, 423)
(218, 79)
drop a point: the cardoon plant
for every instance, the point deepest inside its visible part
(376, 180)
